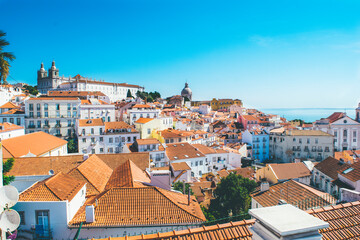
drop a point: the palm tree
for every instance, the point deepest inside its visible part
(5, 58)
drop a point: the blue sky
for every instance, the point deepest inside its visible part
(270, 54)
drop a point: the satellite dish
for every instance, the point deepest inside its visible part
(9, 220)
(51, 172)
(9, 196)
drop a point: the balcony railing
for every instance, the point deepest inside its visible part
(46, 126)
(58, 125)
(31, 126)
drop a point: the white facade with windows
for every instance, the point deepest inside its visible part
(98, 139)
(56, 116)
(93, 108)
(142, 112)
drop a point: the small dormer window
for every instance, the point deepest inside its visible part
(345, 121)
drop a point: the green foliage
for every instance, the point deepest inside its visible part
(208, 215)
(232, 196)
(7, 165)
(5, 58)
(148, 96)
(72, 145)
(32, 90)
(129, 95)
(179, 186)
(186, 99)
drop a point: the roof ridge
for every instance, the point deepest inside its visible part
(74, 169)
(177, 205)
(47, 180)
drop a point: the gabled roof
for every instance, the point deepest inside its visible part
(9, 105)
(141, 106)
(294, 193)
(36, 143)
(180, 166)
(330, 167)
(13, 111)
(284, 171)
(141, 159)
(204, 149)
(343, 219)
(142, 206)
(227, 231)
(127, 175)
(94, 172)
(6, 127)
(352, 172)
(147, 141)
(59, 187)
(176, 151)
(118, 125)
(144, 120)
(91, 122)
(335, 116)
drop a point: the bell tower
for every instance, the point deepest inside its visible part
(42, 73)
(53, 71)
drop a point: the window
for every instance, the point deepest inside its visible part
(101, 139)
(335, 133)
(69, 107)
(117, 139)
(57, 106)
(345, 133)
(148, 130)
(74, 114)
(11, 120)
(68, 114)
(308, 140)
(93, 151)
(31, 114)
(110, 140)
(354, 134)
(92, 130)
(111, 150)
(38, 107)
(92, 140)
(22, 217)
(300, 140)
(31, 107)
(39, 124)
(129, 139)
(316, 140)
(84, 140)
(294, 139)
(46, 106)
(42, 220)
(18, 121)
(58, 114)
(134, 139)
(69, 123)
(101, 150)
(46, 114)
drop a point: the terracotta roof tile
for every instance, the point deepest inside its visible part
(285, 171)
(180, 166)
(297, 194)
(127, 175)
(343, 219)
(139, 207)
(91, 122)
(176, 151)
(22, 145)
(144, 120)
(141, 159)
(227, 231)
(59, 187)
(9, 105)
(330, 167)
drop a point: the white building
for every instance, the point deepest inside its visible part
(96, 136)
(142, 111)
(10, 112)
(94, 108)
(9, 130)
(47, 81)
(345, 130)
(55, 116)
(7, 92)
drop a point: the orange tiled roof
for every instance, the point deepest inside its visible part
(94, 172)
(144, 120)
(343, 219)
(293, 193)
(141, 106)
(227, 231)
(141, 159)
(330, 167)
(91, 122)
(143, 206)
(204, 149)
(9, 105)
(147, 141)
(127, 175)
(59, 187)
(5, 127)
(36, 143)
(176, 151)
(14, 111)
(44, 98)
(118, 125)
(180, 166)
(285, 171)
(74, 93)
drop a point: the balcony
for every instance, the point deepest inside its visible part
(58, 125)
(46, 126)
(58, 135)
(31, 126)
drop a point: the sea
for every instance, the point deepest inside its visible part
(307, 114)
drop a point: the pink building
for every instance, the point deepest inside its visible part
(249, 121)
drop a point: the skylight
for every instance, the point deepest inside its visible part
(186, 156)
(347, 170)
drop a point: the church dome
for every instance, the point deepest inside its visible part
(186, 92)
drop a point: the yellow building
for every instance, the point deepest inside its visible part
(220, 104)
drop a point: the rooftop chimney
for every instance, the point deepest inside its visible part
(264, 186)
(189, 197)
(285, 222)
(85, 157)
(90, 214)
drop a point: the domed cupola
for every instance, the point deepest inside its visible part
(186, 92)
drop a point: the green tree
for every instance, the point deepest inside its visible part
(129, 95)
(5, 58)
(179, 186)
(32, 90)
(232, 196)
(7, 165)
(208, 215)
(72, 145)
(149, 99)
